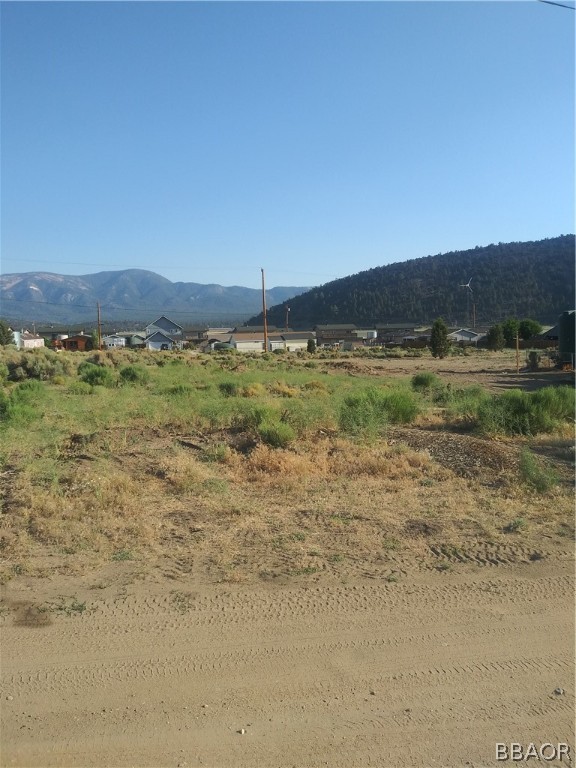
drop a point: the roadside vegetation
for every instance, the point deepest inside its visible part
(181, 456)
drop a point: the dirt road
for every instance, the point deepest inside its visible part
(430, 671)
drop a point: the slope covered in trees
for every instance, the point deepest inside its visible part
(528, 279)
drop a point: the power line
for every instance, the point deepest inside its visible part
(560, 5)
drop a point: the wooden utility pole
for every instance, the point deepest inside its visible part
(287, 313)
(99, 328)
(264, 313)
(517, 353)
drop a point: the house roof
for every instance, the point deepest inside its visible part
(295, 335)
(254, 329)
(28, 336)
(156, 336)
(163, 317)
(239, 338)
(337, 327)
(395, 326)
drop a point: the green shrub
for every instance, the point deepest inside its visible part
(425, 381)
(253, 416)
(401, 406)
(80, 388)
(96, 375)
(369, 412)
(277, 434)
(541, 478)
(362, 414)
(180, 389)
(523, 413)
(462, 403)
(20, 407)
(229, 388)
(134, 374)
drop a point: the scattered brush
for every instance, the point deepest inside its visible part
(536, 475)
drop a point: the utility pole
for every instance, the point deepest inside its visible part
(517, 353)
(287, 313)
(264, 313)
(99, 328)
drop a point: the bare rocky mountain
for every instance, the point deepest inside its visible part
(128, 296)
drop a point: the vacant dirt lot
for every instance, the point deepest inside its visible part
(404, 605)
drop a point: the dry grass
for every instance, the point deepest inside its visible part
(128, 482)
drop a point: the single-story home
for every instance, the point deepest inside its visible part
(27, 340)
(465, 336)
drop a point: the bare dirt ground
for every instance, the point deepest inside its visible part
(427, 650)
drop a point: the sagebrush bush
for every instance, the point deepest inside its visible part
(42, 364)
(96, 375)
(134, 374)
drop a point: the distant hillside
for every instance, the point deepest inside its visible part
(127, 296)
(532, 279)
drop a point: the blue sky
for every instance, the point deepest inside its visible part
(204, 141)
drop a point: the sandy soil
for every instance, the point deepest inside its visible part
(432, 671)
(164, 666)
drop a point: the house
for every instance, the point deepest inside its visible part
(163, 334)
(164, 325)
(293, 341)
(27, 340)
(335, 334)
(114, 340)
(247, 342)
(395, 333)
(79, 342)
(161, 341)
(465, 336)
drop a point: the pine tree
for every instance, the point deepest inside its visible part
(439, 343)
(495, 338)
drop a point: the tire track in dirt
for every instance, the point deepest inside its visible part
(342, 674)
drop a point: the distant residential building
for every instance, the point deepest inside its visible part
(164, 325)
(27, 340)
(161, 341)
(114, 340)
(79, 342)
(335, 333)
(465, 336)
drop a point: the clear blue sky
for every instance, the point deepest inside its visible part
(204, 141)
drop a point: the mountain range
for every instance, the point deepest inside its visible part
(130, 296)
(533, 279)
(521, 279)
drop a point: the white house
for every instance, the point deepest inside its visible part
(465, 335)
(114, 340)
(26, 340)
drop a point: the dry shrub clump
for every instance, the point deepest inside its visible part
(331, 459)
(94, 508)
(183, 472)
(266, 463)
(282, 389)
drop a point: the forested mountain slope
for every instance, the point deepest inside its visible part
(523, 279)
